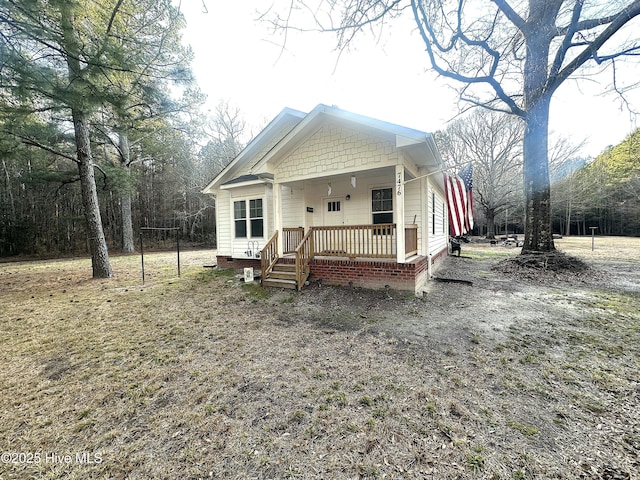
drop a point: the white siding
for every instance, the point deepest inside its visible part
(268, 214)
(223, 227)
(293, 207)
(437, 230)
(356, 210)
(334, 150)
(413, 208)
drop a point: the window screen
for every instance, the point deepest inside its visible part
(382, 208)
(382, 205)
(333, 206)
(240, 218)
(256, 217)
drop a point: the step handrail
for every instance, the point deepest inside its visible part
(304, 254)
(269, 256)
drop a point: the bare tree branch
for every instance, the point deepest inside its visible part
(619, 20)
(510, 13)
(430, 39)
(567, 42)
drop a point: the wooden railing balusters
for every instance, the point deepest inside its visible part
(269, 256)
(304, 254)
(291, 238)
(350, 241)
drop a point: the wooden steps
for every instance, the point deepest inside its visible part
(283, 275)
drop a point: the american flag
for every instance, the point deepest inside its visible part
(459, 191)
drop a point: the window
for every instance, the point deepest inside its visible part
(253, 223)
(382, 209)
(333, 206)
(382, 205)
(433, 213)
(255, 215)
(240, 218)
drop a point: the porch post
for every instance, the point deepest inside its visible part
(399, 203)
(277, 215)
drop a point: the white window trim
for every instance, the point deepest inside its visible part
(247, 203)
(393, 203)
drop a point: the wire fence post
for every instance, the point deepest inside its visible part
(142, 256)
(178, 249)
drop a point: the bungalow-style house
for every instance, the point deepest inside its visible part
(335, 197)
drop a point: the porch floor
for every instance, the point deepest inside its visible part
(412, 259)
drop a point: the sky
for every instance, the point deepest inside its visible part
(238, 59)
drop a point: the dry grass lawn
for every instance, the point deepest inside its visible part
(205, 377)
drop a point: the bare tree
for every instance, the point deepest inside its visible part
(507, 56)
(492, 141)
(226, 131)
(564, 163)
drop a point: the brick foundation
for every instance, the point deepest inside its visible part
(373, 274)
(439, 257)
(368, 273)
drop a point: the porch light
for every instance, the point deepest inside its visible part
(353, 181)
(329, 189)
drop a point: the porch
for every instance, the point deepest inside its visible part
(356, 249)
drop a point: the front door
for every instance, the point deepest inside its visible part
(333, 211)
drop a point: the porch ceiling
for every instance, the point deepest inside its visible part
(436, 178)
(424, 156)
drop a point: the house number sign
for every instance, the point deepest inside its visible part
(399, 186)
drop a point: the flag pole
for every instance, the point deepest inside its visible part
(457, 165)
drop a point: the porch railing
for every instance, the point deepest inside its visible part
(410, 239)
(304, 254)
(291, 238)
(371, 241)
(269, 256)
(350, 241)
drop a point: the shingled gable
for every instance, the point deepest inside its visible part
(419, 145)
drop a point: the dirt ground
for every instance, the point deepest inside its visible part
(509, 377)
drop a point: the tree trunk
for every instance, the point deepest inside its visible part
(491, 226)
(95, 234)
(125, 195)
(9, 192)
(568, 210)
(568, 213)
(538, 234)
(539, 32)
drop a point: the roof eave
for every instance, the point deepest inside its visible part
(245, 154)
(404, 136)
(248, 183)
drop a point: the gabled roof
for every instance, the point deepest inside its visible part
(404, 136)
(271, 134)
(420, 146)
(241, 179)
